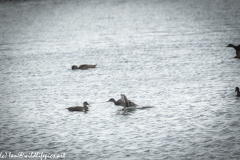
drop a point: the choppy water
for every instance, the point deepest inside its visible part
(166, 54)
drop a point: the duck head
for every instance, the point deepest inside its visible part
(230, 45)
(74, 67)
(111, 100)
(85, 104)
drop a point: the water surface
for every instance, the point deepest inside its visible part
(166, 54)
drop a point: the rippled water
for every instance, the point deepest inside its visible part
(167, 54)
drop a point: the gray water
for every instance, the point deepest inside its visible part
(170, 55)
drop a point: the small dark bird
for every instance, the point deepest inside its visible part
(237, 48)
(238, 92)
(79, 108)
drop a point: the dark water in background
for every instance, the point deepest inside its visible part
(167, 54)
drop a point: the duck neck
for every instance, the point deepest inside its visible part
(115, 102)
(237, 90)
(235, 47)
(85, 108)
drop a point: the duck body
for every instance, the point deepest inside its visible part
(127, 102)
(123, 102)
(79, 108)
(238, 92)
(83, 66)
(86, 66)
(237, 49)
(237, 56)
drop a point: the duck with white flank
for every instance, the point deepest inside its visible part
(238, 92)
(79, 108)
(123, 102)
(237, 48)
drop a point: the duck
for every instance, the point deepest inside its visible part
(117, 103)
(74, 67)
(124, 102)
(237, 48)
(79, 108)
(86, 66)
(238, 92)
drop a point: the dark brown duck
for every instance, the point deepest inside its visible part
(83, 66)
(79, 108)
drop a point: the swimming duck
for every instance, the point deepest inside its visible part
(86, 66)
(237, 48)
(123, 102)
(238, 92)
(79, 108)
(118, 102)
(74, 67)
